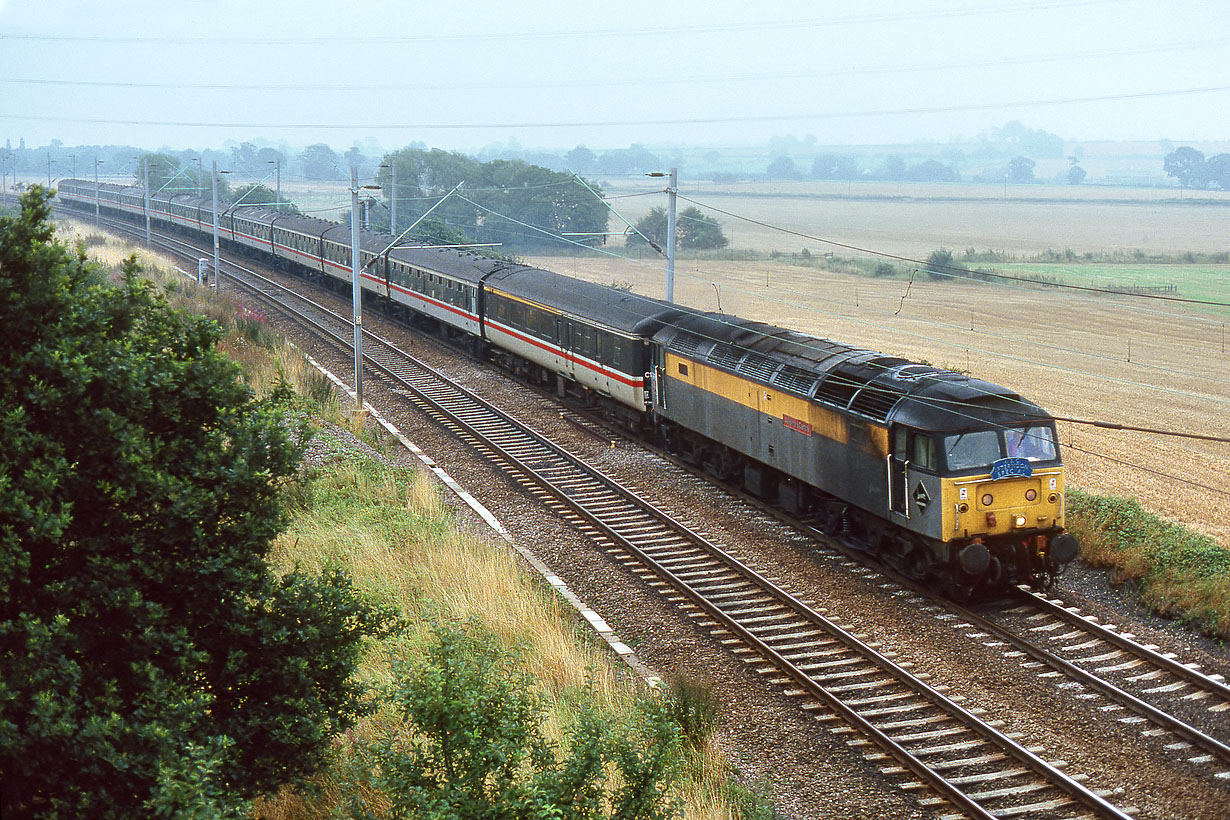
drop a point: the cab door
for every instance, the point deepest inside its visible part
(898, 464)
(914, 485)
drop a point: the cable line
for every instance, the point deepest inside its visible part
(691, 120)
(706, 28)
(623, 82)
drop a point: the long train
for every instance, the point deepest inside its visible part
(955, 481)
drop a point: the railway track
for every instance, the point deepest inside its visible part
(927, 740)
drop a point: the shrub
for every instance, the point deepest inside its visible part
(476, 748)
(1181, 573)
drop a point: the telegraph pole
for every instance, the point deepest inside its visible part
(215, 182)
(671, 190)
(393, 196)
(357, 290)
(145, 182)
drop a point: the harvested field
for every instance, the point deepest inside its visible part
(912, 220)
(1099, 357)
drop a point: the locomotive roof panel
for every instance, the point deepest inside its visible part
(617, 309)
(705, 332)
(886, 389)
(949, 401)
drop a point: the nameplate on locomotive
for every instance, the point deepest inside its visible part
(797, 425)
(1011, 468)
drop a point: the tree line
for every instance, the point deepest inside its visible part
(1190, 167)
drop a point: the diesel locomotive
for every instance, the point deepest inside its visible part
(955, 481)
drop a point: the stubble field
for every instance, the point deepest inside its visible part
(911, 219)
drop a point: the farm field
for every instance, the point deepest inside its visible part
(1209, 283)
(1094, 357)
(913, 220)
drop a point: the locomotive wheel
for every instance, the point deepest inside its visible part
(914, 563)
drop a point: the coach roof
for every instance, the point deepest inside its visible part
(617, 309)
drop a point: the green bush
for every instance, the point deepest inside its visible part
(476, 750)
(1181, 573)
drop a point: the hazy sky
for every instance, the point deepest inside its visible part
(460, 75)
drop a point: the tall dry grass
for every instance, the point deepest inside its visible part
(389, 529)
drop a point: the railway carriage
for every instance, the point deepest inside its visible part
(132, 201)
(571, 332)
(297, 239)
(440, 286)
(186, 213)
(253, 228)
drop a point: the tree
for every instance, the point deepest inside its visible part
(153, 663)
(258, 194)
(694, 230)
(1021, 169)
(835, 166)
(581, 158)
(1076, 175)
(932, 170)
(1187, 165)
(941, 264)
(1218, 170)
(164, 176)
(627, 160)
(783, 167)
(893, 168)
(509, 201)
(244, 155)
(321, 162)
(700, 232)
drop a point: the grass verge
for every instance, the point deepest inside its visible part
(388, 528)
(1179, 573)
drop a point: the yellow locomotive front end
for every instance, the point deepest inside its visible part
(1004, 511)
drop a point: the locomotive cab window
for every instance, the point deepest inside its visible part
(922, 454)
(917, 448)
(1035, 443)
(975, 449)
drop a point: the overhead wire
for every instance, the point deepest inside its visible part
(695, 119)
(336, 38)
(623, 81)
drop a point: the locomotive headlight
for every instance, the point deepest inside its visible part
(1018, 521)
(988, 500)
(1053, 497)
(1031, 494)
